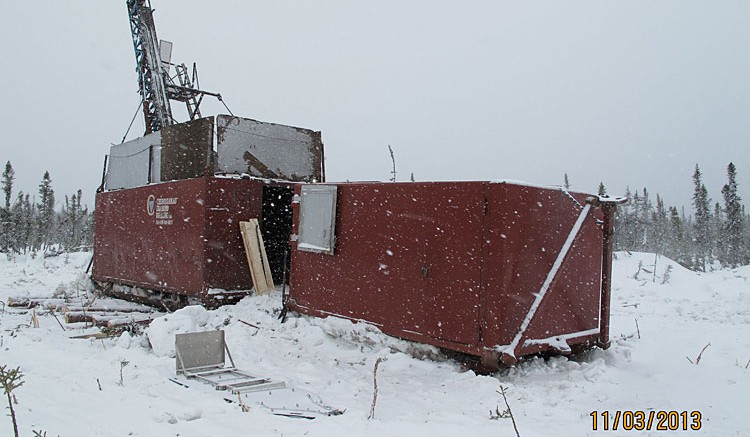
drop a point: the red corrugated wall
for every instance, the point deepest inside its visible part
(186, 243)
(455, 264)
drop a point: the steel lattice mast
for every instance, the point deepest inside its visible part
(156, 109)
(156, 85)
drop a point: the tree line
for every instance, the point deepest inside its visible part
(708, 234)
(33, 223)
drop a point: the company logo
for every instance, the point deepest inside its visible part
(151, 205)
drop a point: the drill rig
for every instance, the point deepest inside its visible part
(157, 85)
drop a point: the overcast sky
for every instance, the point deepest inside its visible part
(630, 93)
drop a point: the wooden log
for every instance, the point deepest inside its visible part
(26, 302)
(21, 299)
(19, 302)
(109, 319)
(106, 309)
(59, 304)
(46, 302)
(143, 319)
(98, 319)
(95, 335)
(78, 318)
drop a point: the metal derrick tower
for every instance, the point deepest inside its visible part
(153, 62)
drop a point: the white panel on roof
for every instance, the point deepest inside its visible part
(268, 150)
(129, 162)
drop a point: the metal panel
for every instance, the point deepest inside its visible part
(228, 202)
(269, 150)
(405, 260)
(187, 150)
(317, 223)
(459, 265)
(179, 237)
(453, 250)
(129, 162)
(152, 237)
(165, 53)
(526, 230)
(156, 162)
(199, 350)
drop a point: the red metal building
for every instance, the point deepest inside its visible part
(167, 229)
(496, 270)
(179, 242)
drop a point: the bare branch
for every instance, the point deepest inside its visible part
(393, 161)
(698, 360)
(10, 379)
(510, 413)
(375, 385)
(637, 328)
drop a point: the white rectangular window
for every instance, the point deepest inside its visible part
(317, 221)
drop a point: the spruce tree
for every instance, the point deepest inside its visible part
(701, 226)
(46, 212)
(625, 224)
(6, 217)
(8, 176)
(72, 222)
(677, 241)
(733, 227)
(716, 234)
(602, 191)
(23, 222)
(659, 227)
(26, 225)
(78, 221)
(645, 237)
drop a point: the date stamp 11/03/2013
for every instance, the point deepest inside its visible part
(627, 420)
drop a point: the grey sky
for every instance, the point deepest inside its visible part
(628, 92)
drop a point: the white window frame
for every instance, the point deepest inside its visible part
(317, 222)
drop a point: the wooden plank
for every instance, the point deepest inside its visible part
(255, 251)
(264, 259)
(248, 233)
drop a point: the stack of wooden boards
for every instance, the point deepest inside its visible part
(257, 261)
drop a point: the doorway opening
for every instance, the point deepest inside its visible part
(276, 226)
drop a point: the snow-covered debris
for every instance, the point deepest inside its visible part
(162, 330)
(662, 318)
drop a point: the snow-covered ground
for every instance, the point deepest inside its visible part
(421, 392)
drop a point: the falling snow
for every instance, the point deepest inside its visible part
(659, 327)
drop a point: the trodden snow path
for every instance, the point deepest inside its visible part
(420, 391)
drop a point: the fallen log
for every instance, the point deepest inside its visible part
(46, 302)
(143, 319)
(78, 317)
(95, 335)
(109, 319)
(22, 302)
(106, 309)
(59, 304)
